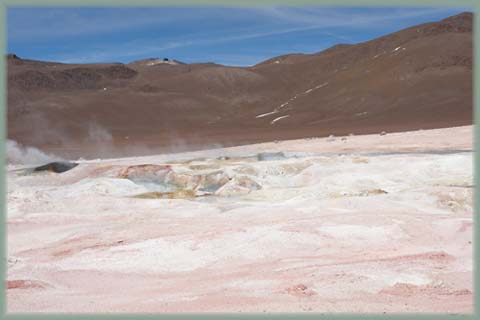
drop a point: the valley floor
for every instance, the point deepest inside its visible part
(359, 224)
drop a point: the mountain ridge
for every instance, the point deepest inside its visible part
(418, 77)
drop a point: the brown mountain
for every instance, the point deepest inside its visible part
(419, 77)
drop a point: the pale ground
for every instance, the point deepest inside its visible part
(334, 226)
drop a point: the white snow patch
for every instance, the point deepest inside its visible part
(321, 85)
(266, 114)
(160, 61)
(279, 118)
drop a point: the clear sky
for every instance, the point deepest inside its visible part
(226, 35)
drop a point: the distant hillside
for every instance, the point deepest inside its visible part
(419, 77)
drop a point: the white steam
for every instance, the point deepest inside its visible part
(18, 154)
(98, 134)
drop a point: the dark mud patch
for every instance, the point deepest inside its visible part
(57, 167)
(271, 156)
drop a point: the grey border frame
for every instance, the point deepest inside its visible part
(4, 4)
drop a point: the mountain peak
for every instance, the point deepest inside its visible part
(461, 22)
(155, 61)
(467, 15)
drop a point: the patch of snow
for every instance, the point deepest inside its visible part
(266, 114)
(279, 118)
(321, 85)
(160, 61)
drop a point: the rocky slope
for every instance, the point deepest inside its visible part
(419, 77)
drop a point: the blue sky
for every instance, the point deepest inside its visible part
(227, 35)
